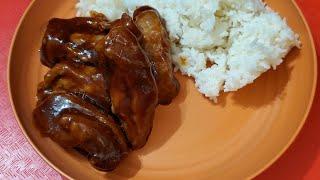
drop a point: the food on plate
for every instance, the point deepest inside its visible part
(74, 122)
(155, 41)
(133, 90)
(73, 39)
(100, 94)
(109, 71)
(85, 81)
(127, 21)
(223, 44)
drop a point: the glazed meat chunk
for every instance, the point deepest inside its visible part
(133, 90)
(84, 81)
(127, 21)
(155, 41)
(104, 84)
(72, 39)
(74, 123)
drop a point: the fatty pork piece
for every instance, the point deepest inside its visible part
(133, 90)
(156, 43)
(73, 39)
(84, 81)
(74, 123)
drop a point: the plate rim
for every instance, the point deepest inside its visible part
(262, 169)
(311, 102)
(13, 107)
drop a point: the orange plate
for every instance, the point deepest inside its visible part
(192, 138)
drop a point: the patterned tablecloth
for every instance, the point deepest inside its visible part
(19, 161)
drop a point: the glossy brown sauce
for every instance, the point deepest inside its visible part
(155, 42)
(105, 82)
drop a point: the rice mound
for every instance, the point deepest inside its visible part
(223, 44)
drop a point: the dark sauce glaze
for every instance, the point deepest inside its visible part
(84, 81)
(105, 82)
(133, 90)
(71, 122)
(156, 43)
(57, 43)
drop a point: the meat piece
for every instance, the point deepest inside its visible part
(127, 21)
(156, 43)
(74, 123)
(133, 90)
(87, 82)
(101, 93)
(60, 43)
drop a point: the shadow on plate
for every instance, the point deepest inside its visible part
(164, 127)
(272, 84)
(127, 168)
(167, 121)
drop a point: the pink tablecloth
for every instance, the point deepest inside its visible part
(19, 161)
(17, 158)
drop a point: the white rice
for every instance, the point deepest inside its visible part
(241, 38)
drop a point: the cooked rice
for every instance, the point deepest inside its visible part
(240, 38)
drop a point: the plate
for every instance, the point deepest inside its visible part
(237, 138)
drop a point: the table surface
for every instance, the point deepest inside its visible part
(19, 161)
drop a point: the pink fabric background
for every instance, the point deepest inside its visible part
(19, 161)
(17, 158)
